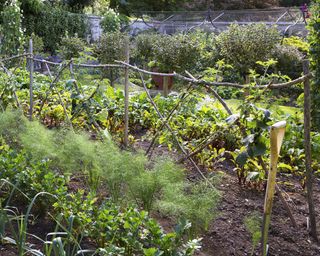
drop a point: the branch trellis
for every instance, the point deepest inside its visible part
(188, 78)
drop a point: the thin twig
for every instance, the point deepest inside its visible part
(216, 95)
(171, 131)
(60, 98)
(56, 79)
(156, 135)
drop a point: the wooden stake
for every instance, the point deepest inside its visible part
(31, 67)
(307, 147)
(276, 138)
(126, 97)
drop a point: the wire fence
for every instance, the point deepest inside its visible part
(288, 20)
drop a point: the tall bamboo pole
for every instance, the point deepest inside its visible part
(126, 97)
(31, 67)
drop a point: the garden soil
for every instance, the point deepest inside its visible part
(228, 236)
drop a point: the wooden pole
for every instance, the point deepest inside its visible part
(165, 86)
(31, 67)
(126, 97)
(276, 138)
(307, 146)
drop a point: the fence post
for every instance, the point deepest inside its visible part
(276, 138)
(126, 96)
(31, 67)
(307, 147)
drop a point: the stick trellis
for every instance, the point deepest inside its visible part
(190, 79)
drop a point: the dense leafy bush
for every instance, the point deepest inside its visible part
(243, 46)
(37, 44)
(52, 24)
(144, 45)
(176, 53)
(112, 21)
(11, 29)
(297, 42)
(71, 47)
(111, 47)
(289, 60)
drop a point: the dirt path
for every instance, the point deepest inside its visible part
(228, 235)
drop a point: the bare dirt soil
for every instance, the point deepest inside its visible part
(228, 235)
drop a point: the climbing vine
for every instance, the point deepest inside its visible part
(314, 40)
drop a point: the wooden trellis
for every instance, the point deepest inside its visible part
(193, 83)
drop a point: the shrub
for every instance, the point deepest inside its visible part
(243, 46)
(176, 53)
(53, 23)
(37, 43)
(111, 22)
(111, 47)
(71, 47)
(10, 29)
(144, 45)
(298, 43)
(289, 60)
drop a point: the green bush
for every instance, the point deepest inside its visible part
(298, 43)
(111, 47)
(289, 60)
(176, 53)
(53, 23)
(112, 21)
(11, 29)
(243, 46)
(37, 43)
(144, 45)
(71, 47)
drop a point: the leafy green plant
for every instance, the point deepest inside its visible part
(71, 47)
(289, 60)
(253, 225)
(52, 24)
(198, 204)
(123, 230)
(11, 29)
(243, 46)
(175, 53)
(111, 21)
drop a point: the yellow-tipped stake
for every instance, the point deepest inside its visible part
(276, 138)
